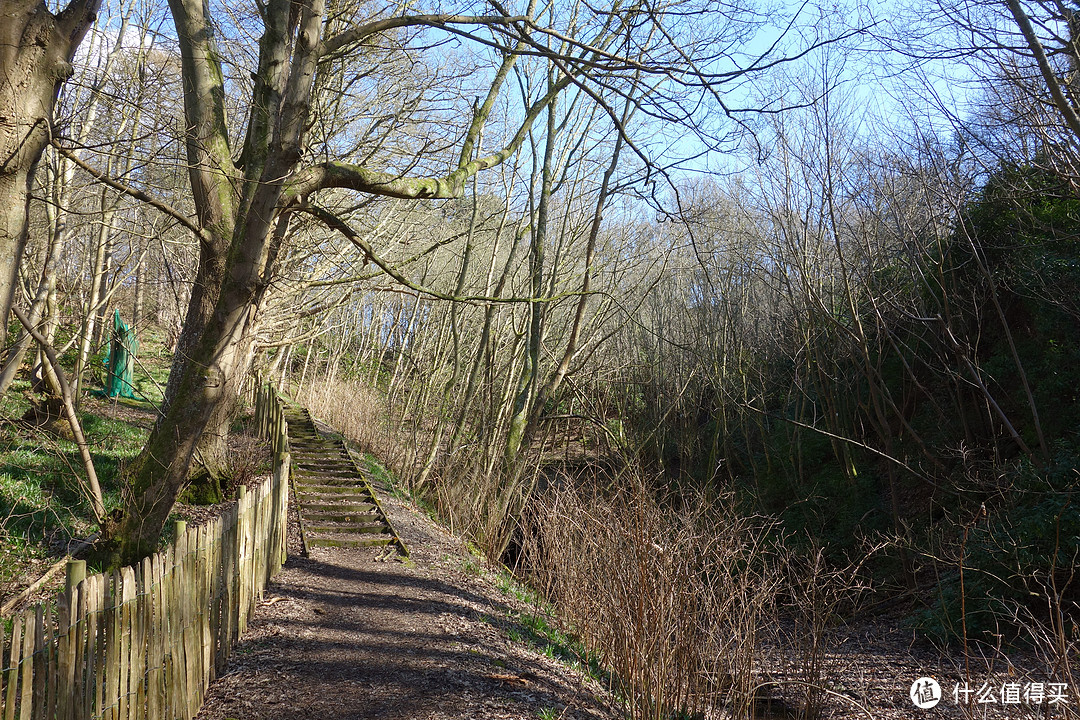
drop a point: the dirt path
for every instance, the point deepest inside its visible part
(346, 634)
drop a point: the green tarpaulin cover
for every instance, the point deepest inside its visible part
(121, 362)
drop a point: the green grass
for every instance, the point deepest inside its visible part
(42, 503)
(396, 488)
(539, 629)
(40, 474)
(15, 555)
(470, 567)
(381, 475)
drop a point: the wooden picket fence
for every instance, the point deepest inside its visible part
(270, 415)
(146, 641)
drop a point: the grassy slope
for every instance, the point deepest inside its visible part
(41, 504)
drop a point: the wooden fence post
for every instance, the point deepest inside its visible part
(144, 642)
(263, 409)
(76, 573)
(281, 504)
(11, 679)
(29, 629)
(67, 633)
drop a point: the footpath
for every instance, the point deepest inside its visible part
(355, 633)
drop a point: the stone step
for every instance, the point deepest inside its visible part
(327, 479)
(342, 507)
(353, 494)
(338, 466)
(323, 472)
(335, 464)
(349, 518)
(352, 500)
(371, 529)
(372, 541)
(324, 489)
(330, 481)
(343, 515)
(314, 498)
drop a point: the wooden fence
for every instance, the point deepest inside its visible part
(270, 416)
(146, 641)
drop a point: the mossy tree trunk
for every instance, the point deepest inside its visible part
(243, 209)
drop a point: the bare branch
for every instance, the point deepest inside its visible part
(153, 202)
(358, 34)
(94, 491)
(334, 222)
(356, 177)
(1052, 83)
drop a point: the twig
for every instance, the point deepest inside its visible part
(96, 501)
(860, 707)
(16, 600)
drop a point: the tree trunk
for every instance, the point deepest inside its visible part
(210, 377)
(95, 320)
(46, 286)
(36, 48)
(530, 372)
(14, 206)
(204, 296)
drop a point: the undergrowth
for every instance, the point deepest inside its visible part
(42, 504)
(539, 626)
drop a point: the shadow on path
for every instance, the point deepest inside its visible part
(344, 635)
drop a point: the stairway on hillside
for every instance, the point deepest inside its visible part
(338, 507)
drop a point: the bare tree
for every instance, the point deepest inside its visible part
(250, 183)
(36, 49)
(245, 204)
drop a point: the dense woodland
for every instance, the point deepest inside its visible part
(790, 294)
